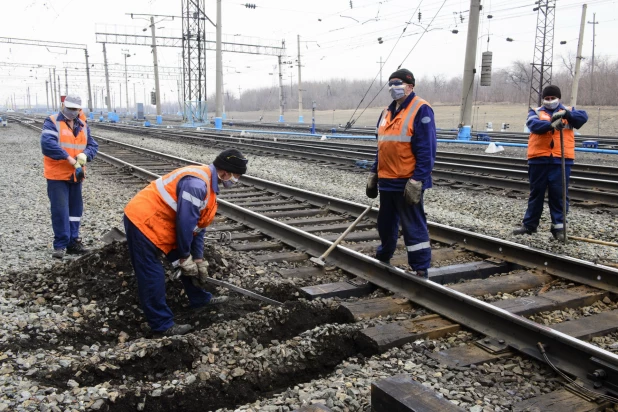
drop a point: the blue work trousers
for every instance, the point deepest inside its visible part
(543, 177)
(66, 211)
(151, 280)
(393, 210)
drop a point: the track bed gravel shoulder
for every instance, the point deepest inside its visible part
(488, 212)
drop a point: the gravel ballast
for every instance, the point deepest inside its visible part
(487, 212)
(227, 353)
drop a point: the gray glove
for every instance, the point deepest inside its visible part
(557, 124)
(188, 267)
(559, 115)
(372, 186)
(413, 192)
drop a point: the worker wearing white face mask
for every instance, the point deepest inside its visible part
(67, 146)
(406, 134)
(170, 216)
(544, 159)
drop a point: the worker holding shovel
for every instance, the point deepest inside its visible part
(551, 128)
(169, 217)
(405, 157)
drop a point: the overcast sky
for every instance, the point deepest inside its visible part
(336, 40)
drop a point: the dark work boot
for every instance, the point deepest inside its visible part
(422, 273)
(558, 235)
(58, 253)
(77, 248)
(177, 329)
(523, 230)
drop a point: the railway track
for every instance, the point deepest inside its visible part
(283, 226)
(591, 185)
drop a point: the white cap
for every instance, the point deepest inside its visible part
(73, 101)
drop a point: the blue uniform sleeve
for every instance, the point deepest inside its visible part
(92, 147)
(577, 118)
(49, 142)
(424, 144)
(537, 125)
(191, 192)
(197, 246)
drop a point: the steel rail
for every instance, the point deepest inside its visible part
(569, 354)
(482, 175)
(577, 270)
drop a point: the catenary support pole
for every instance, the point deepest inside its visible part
(47, 93)
(108, 92)
(594, 23)
(156, 66)
(56, 98)
(219, 72)
(90, 103)
(300, 90)
(280, 91)
(59, 89)
(578, 58)
(66, 82)
(465, 117)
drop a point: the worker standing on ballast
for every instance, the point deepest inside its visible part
(544, 159)
(406, 134)
(169, 217)
(67, 146)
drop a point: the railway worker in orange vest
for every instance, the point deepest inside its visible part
(544, 159)
(406, 133)
(67, 146)
(169, 216)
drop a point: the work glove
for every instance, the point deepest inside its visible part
(372, 186)
(79, 172)
(559, 115)
(188, 267)
(82, 159)
(557, 124)
(202, 268)
(413, 191)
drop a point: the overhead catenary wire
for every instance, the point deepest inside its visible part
(351, 122)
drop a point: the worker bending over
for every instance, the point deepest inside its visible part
(169, 216)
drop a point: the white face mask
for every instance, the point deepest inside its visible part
(397, 92)
(229, 182)
(551, 104)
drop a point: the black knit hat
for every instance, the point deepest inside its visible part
(550, 91)
(231, 160)
(405, 75)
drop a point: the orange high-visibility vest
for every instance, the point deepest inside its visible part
(540, 145)
(153, 209)
(74, 145)
(395, 157)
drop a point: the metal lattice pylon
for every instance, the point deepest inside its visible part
(543, 50)
(194, 60)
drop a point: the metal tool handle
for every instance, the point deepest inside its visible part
(564, 187)
(344, 234)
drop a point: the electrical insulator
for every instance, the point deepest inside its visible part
(486, 68)
(153, 98)
(351, 6)
(250, 5)
(419, 16)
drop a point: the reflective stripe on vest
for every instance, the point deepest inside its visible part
(403, 136)
(163, 181)
(73, 145)
(395, 157)
(153, 210)
(548, 144)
